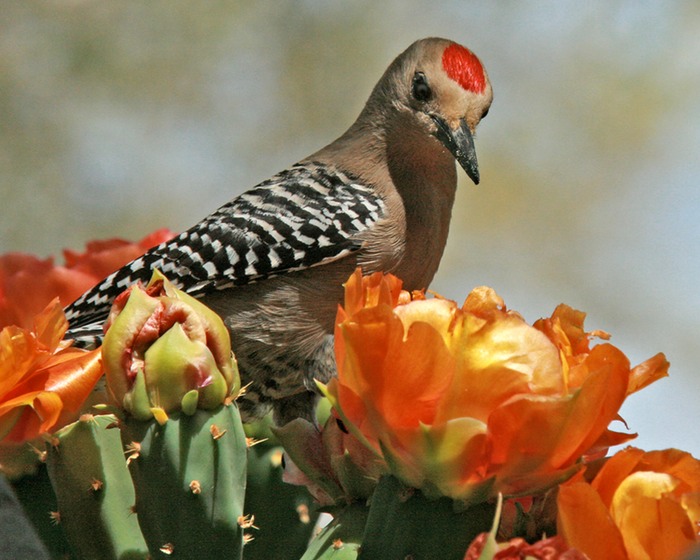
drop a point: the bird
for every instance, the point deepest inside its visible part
(272, 261)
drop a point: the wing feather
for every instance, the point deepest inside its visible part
(309, 215)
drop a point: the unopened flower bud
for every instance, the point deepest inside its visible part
(165, 351)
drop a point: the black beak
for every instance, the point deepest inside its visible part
(460, 142)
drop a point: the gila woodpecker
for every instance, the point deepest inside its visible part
(273, 260)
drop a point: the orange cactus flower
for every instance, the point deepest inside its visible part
(640, 505)
(43, 381)
(469, 401)
(28, 284)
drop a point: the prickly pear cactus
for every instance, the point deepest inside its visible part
(190, 477)
(403, 523)
(275, 505)
(94, 490)
(341, 539)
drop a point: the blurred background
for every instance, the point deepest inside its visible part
(118, 118)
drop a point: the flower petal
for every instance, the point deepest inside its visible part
(453, 456)
(495, 361)
(72, 375)
(50, 325)
(542, 399)
(28, 284)
(559, 430)
(585, 523)
(652, 524)
(647, 372)
(102, 257)
(39, 413)
(19, 353)
(614, 471)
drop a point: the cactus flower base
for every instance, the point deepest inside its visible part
(403, 523)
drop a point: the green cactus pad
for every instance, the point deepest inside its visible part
(190, 479)
(284, 513)
(341, 539)
(403, 523)
(94, 491)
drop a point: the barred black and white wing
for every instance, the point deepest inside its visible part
(308, 215)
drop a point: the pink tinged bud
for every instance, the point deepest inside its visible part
(164, 351)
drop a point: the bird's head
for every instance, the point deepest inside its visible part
(442, 88)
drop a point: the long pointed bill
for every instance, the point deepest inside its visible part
(460, 142)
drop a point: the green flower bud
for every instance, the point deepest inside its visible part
(165, 351)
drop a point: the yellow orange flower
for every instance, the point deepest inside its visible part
(43, 381)
(28, 284)
(640, 505)
(468, 401)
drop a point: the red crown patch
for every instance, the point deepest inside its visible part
(464, 67)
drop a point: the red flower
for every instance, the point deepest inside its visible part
(28, 284)
(553, 548)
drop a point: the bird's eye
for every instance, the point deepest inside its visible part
(421, 90)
